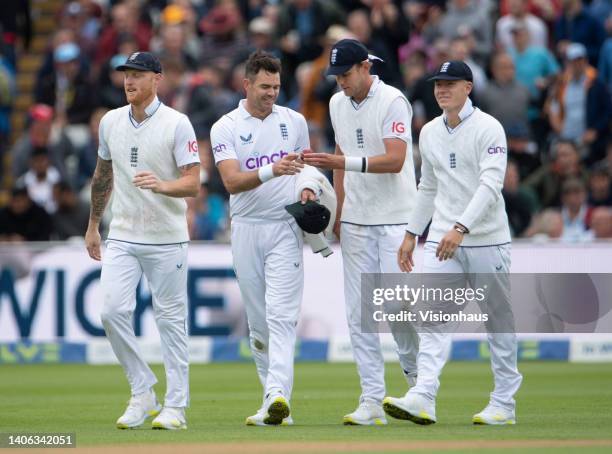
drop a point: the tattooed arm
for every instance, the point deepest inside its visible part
(187, 185)
(101, 189)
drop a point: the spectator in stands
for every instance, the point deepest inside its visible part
(464, 17)
(208, 215)
(601, 224)
(536, 68)
(23, 220)
(576, 25)
(72, 215)
(574, 210)
(520, 203)
(208, 99)
(389, 28)
(261, 37)
(15, 22)
(301, 25)
(7, 94)
(548, 179)
(224, 36)
(110, 91)
(125, 19)
(600, 186)
(523, 150)
(579, 108)
(413, 68)
(519, 14)
(604, 69)
(68, 88)
(41, 133)
(504, 98)
(358, 24)
(88, 154)
(173, 47)
(173, 89)
(84, 20)
(546, 225)
(40, 179)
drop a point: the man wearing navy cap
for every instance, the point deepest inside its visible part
(148, 152)
(463, 154)
(376, 189)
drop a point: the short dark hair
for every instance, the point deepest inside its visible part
(259, 60)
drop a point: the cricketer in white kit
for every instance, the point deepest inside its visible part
(148, 158)
(256, 148)
(376, 189)
(463, 166)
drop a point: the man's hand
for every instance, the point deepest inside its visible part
(324, 160)
(148, 180)
(404, 253)
(448, 245)
(92, 243)
(336, 228)
(307, 194)
(289, 165)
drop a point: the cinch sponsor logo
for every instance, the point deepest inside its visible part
(219, 148)
(260, 161)
(496, 150)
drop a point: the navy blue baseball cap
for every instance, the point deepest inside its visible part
(453, 70)
(345, 54)
(141, 61)
(312, 217)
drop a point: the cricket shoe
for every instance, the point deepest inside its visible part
(170, 418)
(140, 407)
(258, 419)
(367, 414)
(494, 415)
(412, 407)
(277, 409)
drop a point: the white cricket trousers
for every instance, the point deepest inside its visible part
(268, 264)
(435, 345)
(165, 267)
(373, 249)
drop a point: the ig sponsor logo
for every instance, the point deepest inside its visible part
(259, 161)
(496, 150)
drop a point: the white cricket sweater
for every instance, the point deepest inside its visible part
(141, 216)
(373, 198)
(462, 176)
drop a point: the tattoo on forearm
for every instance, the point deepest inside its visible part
(101, 188)
(186, 167)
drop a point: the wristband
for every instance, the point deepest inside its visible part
(265, 173)
(461, 228)
(356, 164)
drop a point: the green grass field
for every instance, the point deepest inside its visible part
(558, 401)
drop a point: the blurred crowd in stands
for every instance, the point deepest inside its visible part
(543, 68)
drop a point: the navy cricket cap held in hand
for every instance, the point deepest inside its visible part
(141, 61)
(312, 217)
(346, 53)
(453, 70)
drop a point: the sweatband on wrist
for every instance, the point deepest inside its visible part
(265, 173)
(356, 164)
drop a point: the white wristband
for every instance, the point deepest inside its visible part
(265, 173)
(356, 163)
